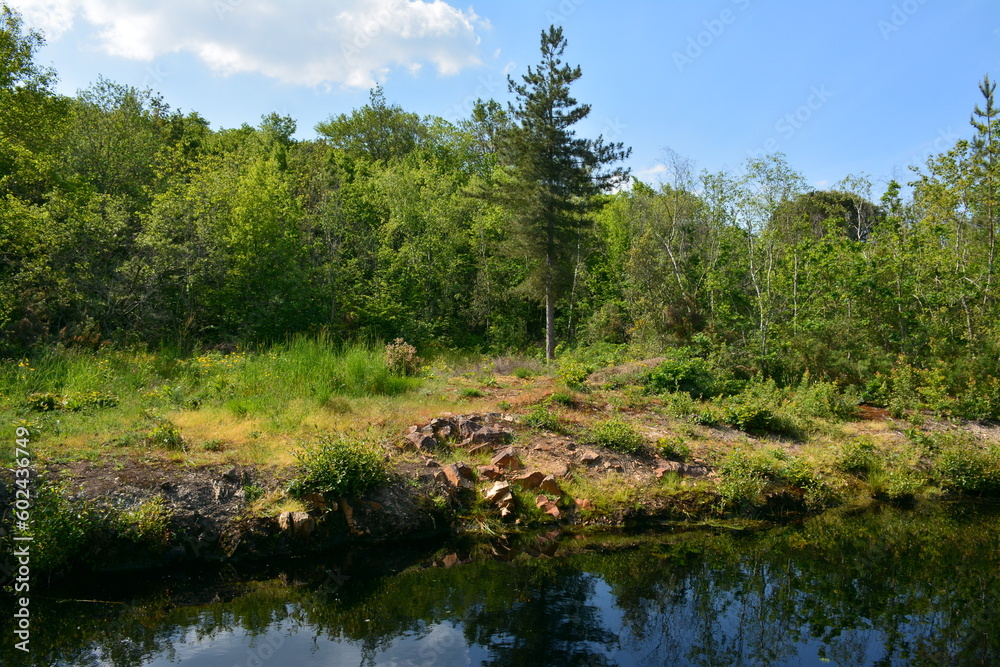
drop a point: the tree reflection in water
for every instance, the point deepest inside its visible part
(882, 587)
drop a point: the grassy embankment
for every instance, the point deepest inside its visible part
(806, 442)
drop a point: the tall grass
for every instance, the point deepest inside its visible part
(310, 370)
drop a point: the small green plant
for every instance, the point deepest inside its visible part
(523, 373)
(573, 374)
(213, 445)
(147, 524)
(338, 466)
(252, 493)
(859, 458)
(542, 418)
(45, 402)
(561, 398)
(470, 392)
(166, 434)
(674, 448)
(617, 435)
(92, 399)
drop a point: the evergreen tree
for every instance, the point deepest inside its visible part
(554, 176)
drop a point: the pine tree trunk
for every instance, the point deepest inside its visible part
(550, 314)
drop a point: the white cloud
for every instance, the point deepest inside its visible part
(310, 42)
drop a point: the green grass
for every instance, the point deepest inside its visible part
(79, 403)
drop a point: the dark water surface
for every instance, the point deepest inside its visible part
(880, 587)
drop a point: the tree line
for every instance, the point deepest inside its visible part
(124, 220)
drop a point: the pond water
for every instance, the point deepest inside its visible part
(879, 587)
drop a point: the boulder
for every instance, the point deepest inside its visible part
(507, 459)
(490, 472)
(543, 503)
(529, 480)
(501, 497)
(460, 476)
(550, 485)
(487, 435)
(299, 524)
(422, 441)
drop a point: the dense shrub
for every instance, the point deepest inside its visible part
(541, 417)
(338, 466)
(617, 435)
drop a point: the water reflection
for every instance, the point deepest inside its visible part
(884, 587)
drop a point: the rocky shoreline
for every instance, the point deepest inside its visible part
(435, 479)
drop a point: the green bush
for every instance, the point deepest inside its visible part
(470, 392)
(542, 418)
(674, 448)
(859, 458)
(747, 476)
(681, 373)
(63, 527)
(560, 398)
(573, 374)
(167, 435)
(147, 524)
(970, 470)
(338, 467)
(757, 409)
(822, 400)
(523, 372)
(617, 435)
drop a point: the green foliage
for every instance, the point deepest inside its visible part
(563, 399)
(970, 469)
(573, 374)
(682, 372)
(523, 372)
(166, 434)
(747, 476)
(617, 435)
(822, 400)
(541, 417)
(470, 392)
(759, 409)
(339, 467)
(859, 457)
(674, 448)
(147, 524)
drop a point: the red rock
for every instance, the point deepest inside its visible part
(422, 441)
(550, 485)
(507, 459)
(460, 475)
(490, 472)
(529, 480)
(543, 503)
(450, 560)
(583, 504)
(590, 456)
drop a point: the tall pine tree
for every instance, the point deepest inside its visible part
(553, 176)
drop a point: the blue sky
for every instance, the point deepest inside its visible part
(841, 87)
